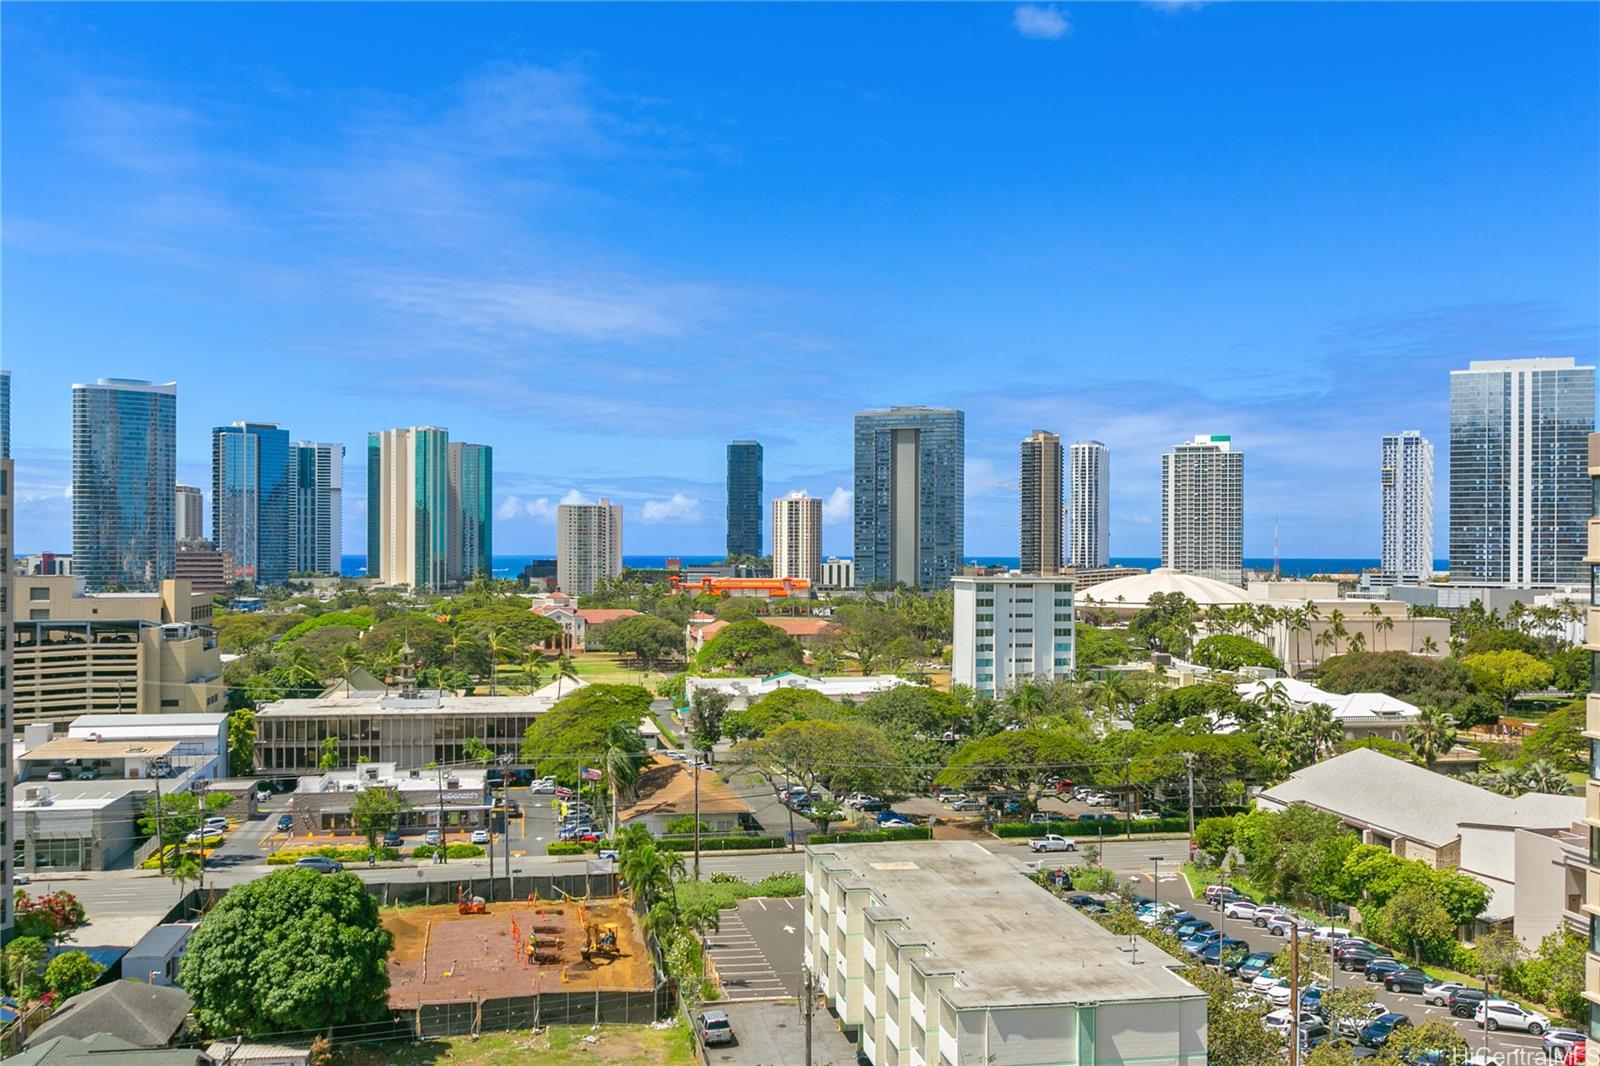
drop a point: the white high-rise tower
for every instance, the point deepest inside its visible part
(797, 537)
(1202, 509)
(1089, 533)
(1407, 475)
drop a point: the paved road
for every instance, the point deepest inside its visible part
(773, 1034)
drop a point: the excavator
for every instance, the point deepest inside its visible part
(600, 938)
(470, 904)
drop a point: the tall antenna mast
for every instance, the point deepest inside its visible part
(1277, 571)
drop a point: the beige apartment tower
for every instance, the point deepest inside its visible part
(588, 545)
(1202, 509)
(408, 488)
(797, 537)
(1041, 503)
(1591, 893)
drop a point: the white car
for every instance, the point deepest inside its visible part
(1326, 934)
(216, 825)
(1353, 1025)
(1155, 914)
(1265, 980)
(1052, 842)
(1240, 909)
(1437, 993)
(1265, 914)
(1279, 1020)
(543, 786)
(1503, 1014)
(480, 836)
(1146, 815)
(1278, 994)
(262, 795)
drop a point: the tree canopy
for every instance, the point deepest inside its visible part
(1020, 760)
(775, 709)
(645, 637)
(293, 951)
(1228, 651)
(751, 645)
(573, 732)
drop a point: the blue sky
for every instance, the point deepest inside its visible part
(608, 239)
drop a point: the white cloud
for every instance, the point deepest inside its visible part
(839, 506)
(680, 508)
(509, 508)
(1040, 23)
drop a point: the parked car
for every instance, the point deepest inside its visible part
(1376, 1033)
(1356, 959)
(1353, 943)
(967, 806)
(1437, 993)
(432, 836)
(1190, 928)
(56, 773)
(1329, 934)
(1200, 941)
(1080, 900)
(262, 795)
(216, 824)
(1504, 1014)
(1213, 893)
(1408, 979)
(1240, 909)
(894, 823)
(1266, 913)
(285, 822)
(1146, 815)
(480, 836)
(88, 773)
(1464, 1001)
(1264, 980)
(1052, 842)
(391, 839)
(1278, 994)
(715, 1028)
(196, 837)
(1041, 818)
(1280, 1020)
(1281, 925)
(319, 863)
(545, 786)
(1253, 964)
(1558, 1043)
(1359, 1020)
(1378, 969)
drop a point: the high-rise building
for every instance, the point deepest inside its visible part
(408, 486)
(188, 514)
(7, 546)
(588, 545)
(1041, 503)
(838, 573)
(472, 511)
(909, 503)
(1202, 509)
(1591, 882)
(252, 500)
(1518, 494)
(1407, 478)
(124, 468)
(1011, 628)
(797, 537)
(318, 506)
(1089, 532)
(744, 498)
(5, 414)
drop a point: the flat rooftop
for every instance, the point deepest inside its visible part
(72, 748)
(1010, 942)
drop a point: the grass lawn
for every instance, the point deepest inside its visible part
(1198, 880)
(558, 1045)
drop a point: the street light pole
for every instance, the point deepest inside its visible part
(158, 767)
(1155, 884)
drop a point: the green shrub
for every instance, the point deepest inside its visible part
(720, 843)
(1089, 829)
(455, 851)
(1228, 651)
(564, 847)
(913, 832)
(287, 856)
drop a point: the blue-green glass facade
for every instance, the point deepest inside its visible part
(744, 498)
(252, 501)
(472, 499)
(124, 480)
(374, 503)
(910, 473)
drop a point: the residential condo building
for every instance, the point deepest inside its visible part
(7, 676)
(188, 514)
(1519, 495)
(1090, 501)
(1407, 479)
(252, 501)
(797, 537)
(124, 470)
(745, 493)
(588, 545)
(1011, 628)
(471, 511)
(5, 414)
(1040, 524)
(1591, 883)
(318, 506)
(935, 952)
(910, 475)
(408, 491)
(1202, 509)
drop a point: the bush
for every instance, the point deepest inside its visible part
(564, 847)
(914, 832)
(1228, 651)
(720, 843)
(455, 851)
(683, 824)
(360, 853)
(1089, 829)
(1214, 835)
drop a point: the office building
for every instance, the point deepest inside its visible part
(7, 676)
(252, 501)
(588, 545)
(1089, 530)
(124, 469)
(1011, 628)
(1407, 480)
(5, 414)
(471, 511)
(797, 537)
(1518, 492)
(1202, 509)
(934, 952)
(318, 506)
(111, 653)
(1591, 883)
(909, 496)
(838, 573)
(1040, 523)
(408, 488)
(744, 499)
(188, 514)
(205, 569)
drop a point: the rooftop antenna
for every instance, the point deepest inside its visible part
(1277, 571)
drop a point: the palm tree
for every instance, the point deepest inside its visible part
(300, 670)
(1358, 643)
(533, 668)
(565, 670)
(495, 642)
(185, 868)
(621, 762)
(1433, 735)
(1323, 732)
(348, 660)
(1336, 627)
(1429, 646)
(1384, 625)
(1542, 776)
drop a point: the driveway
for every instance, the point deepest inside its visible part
(757, 949)
(774, 1034)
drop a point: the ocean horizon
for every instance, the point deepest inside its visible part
(509, 566)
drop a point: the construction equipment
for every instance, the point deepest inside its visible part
(601, 938)
(469, 904)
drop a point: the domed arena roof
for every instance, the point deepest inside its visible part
(1135, 591)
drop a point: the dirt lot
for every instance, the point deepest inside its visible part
(612, 1045)
(441, 956)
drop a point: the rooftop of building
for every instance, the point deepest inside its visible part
(1404, 799)
(795, 627)
(102, 1049)
(158, 724)
(42, 796)
(1015, 577)
(388, 775)
(1344, 705)
(667, 787)
(1136, 590)
(847, 685)
(76, 748)
(1010, 942)
(144, 1015)
(343, 700)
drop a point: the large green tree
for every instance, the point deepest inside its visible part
(649, 639)
(1227, 651)
(748, 645)
(572, 734)
(375, 812)
(838, 756)
(1505, 674)
(775, 709)
(1026, 761)
(292, 951)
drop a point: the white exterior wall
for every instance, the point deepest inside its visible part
(839, 574)
(1407, 481)
(1089, 504)
(588, 545)
(1202, 509)
(1010, 629)
(797, 537)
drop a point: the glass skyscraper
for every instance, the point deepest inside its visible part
(5, 414)
(909, 503)
(744, 498)
(252, 501)
(318, 506)
(408, 490)
(124, 472)
(472, 511)
(1519, 492)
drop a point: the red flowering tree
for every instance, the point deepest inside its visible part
(50, 917)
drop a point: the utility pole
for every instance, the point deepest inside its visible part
(696, 757)
(811, 1003)
(1294, 994)
(506, 762)
(444, 841)
(1188, 765)
(1155, 882)
(199, 790)
(158, 767)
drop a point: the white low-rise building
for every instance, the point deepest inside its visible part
(1361, 714)
(743, 691)
(1011, 628)
(941, 952)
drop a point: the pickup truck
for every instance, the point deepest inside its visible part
(1052, 842)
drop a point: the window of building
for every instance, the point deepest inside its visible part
(986, 602)
(37, 593)
(1594, 846)
(985, 587)
(986, 617)
(981, 662)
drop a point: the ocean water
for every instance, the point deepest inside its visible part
(509, 566)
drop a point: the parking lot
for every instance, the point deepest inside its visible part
(1514, 1047)
(774, 1034)
(758, 948)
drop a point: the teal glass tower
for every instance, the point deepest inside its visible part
(909, 505)
(252, 501)
(124, 473)
(744, 498)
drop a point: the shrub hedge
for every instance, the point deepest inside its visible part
(455, 851)
(719, 843)
(565, 847)
(878, 836)
(287, 856)
(1089, 829)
